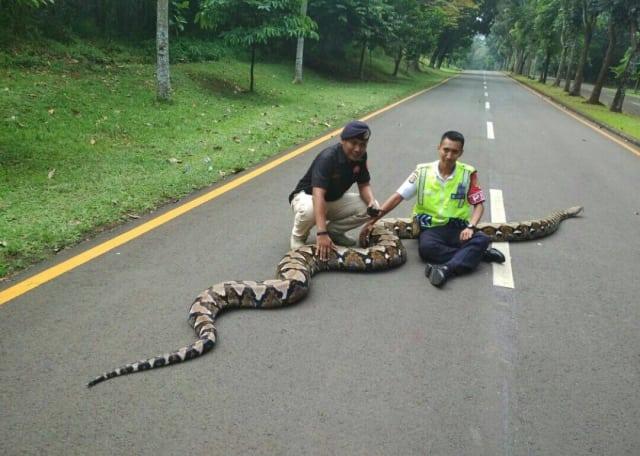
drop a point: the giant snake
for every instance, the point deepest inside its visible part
(381, 249)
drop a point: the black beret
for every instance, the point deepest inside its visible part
(356, 129)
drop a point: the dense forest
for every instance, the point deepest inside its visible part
(404, 29)
(570, 40)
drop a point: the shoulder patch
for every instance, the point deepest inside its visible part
(413, 177)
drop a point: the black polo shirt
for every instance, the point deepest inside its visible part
(333, 171)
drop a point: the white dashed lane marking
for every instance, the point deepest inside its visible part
(490, 133)
(487, 106)
(502, 273)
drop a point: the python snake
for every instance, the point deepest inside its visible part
(381, 250)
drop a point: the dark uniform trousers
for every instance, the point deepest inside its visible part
(441, 245)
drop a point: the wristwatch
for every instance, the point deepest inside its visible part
(471, 225)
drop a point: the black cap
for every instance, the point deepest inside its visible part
(356, 129)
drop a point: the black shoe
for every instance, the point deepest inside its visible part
(427, 270)
(438, 275)
(492, 255)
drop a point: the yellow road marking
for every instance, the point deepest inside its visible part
(581, 119)
(51, 273)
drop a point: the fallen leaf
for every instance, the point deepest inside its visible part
(326, 124)
(133, 216)
(51, 111)
(51, 173)
(93, 141)
(174, 160)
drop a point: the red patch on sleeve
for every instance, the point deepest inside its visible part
(475, 195)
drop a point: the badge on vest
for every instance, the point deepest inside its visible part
(460, 194)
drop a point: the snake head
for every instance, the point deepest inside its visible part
(574, 211)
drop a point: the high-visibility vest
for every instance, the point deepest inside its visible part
(438, 202)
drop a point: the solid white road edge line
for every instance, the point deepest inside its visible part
(502, 273)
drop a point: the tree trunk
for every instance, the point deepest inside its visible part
(516, 62)
(398, 59)
(523, 60)
(162, 51)
(545, 66)
(362, 54)
(434, 56)
(297, 78)
(532, 67)
(253, 61)
(513, 63)
(588, 33)
(572, 54)
(606, 63)
(563, 58)
(623, 79)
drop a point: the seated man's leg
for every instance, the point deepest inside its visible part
(469, 254)
(303, 220)
(345, 214)
(435, 246)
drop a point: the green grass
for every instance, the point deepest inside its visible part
(84, 147)
(628, 124)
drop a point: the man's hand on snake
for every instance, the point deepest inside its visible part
(323, 245)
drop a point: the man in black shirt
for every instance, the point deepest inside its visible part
(320, 197)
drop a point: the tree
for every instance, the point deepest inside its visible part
(460, 25)
(255, 23)
(297, 79)
(628, 65)
(590, 12)
(594, 98)
(162, 51)
(545, 32)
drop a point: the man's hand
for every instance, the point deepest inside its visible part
(323, 245)
(373, 211)
(364, 234)
(466, 234)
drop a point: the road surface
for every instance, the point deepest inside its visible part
(367, 364)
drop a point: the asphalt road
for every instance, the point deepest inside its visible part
(367, 364)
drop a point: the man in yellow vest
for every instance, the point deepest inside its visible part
(448, 207)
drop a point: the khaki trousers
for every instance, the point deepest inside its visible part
(343, 215)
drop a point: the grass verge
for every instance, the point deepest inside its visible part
(627, 124)
(85, 147)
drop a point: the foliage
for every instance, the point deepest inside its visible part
(255, 22)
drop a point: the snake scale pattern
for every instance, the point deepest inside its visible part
(382, 250)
